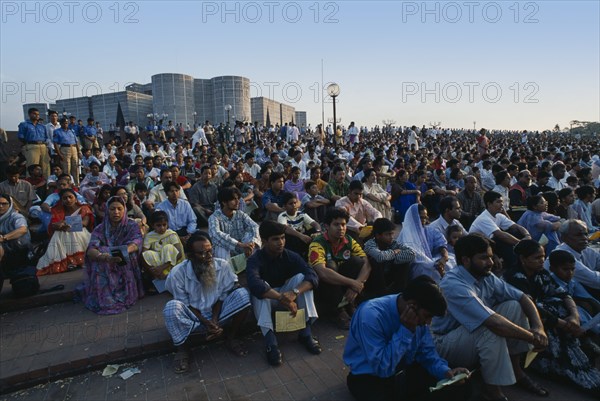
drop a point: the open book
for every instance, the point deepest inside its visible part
(75, 223)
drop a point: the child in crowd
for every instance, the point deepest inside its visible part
(294, 184)
(141, 194)
(453, 233)
(313, 203)
(162, 249)
(583, 206)
(298, 225)
(37, 180)
(573, 182)
(100, 202)
(562, 268)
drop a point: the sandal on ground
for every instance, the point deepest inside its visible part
(181, 362)
(528, 384)
(236, 347)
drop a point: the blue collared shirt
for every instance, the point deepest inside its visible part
(29, 132)
(180, 216)
(75, 128)
(63, 137)
(90, 131)
(378, 343)
(470, 301)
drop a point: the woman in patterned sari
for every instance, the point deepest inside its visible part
(113, 280)
(563, 357)
(66, 250)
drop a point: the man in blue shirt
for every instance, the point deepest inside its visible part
(74, 126)
(67, 149)
(489, 322)
(182, 219)
(35, 139)
(272, 200)
(390, 351)
(88, 137)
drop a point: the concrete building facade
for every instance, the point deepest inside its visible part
(300, 119)
(173, 94)
(182, 98)
(133, 106)
(80, 107)
(42, 107)
(234, 91)
(203, 99)
(265, 111)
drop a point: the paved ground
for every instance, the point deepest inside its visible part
(216, 374)
(65, 347)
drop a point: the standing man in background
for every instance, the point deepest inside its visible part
(34, 137)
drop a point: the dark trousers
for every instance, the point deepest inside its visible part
(295, 244)
(389, 277)
(411, 384)
(330, 295)
(316, 213)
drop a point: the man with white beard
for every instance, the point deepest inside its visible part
(206, 296)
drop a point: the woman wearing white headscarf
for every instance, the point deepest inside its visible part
(430, 246)
(14, 236)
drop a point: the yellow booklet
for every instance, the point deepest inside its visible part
(284, 321)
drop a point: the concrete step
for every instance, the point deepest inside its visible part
(60, 340)
(70, 280)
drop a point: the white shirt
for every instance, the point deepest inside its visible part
(442, 225)
(253, 170)
(505, 198)
(304, 175)
(183, 284)
(157, 194)
(487, 224)
(199, 136)
(50, 132)
(557, 185)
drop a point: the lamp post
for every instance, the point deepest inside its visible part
(228, 109)
(333, 90)
(195, 115)
(474, 123)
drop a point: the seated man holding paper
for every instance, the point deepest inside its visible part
(207, 296)
(489, 322)
(390, 350)
(281, 278)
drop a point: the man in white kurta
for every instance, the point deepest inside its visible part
(206, 296)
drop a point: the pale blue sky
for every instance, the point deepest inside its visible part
(383, 54)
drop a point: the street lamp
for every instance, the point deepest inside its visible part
(195, 115)
(228, 109)
(333, 90)
(474, 123)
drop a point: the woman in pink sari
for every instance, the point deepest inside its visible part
(113, 280)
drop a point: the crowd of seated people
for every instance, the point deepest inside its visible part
(328, 227)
